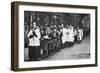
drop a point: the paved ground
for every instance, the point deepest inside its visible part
(78, 51)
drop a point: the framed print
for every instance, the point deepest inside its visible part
(52, 36)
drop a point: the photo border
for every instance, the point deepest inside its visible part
(15, 34)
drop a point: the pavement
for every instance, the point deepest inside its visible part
(77, 51)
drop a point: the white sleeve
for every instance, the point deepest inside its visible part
(29, 33)
(38, 34)
(82, 33)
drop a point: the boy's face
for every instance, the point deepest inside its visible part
(62, 25)
(34, 25)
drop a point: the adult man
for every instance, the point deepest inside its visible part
(34, 43)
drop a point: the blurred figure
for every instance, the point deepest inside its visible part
(25, 36)
(80, 35)
(71, 35)
(64, 31)
(34, 43)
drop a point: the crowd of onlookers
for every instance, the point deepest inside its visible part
(48, 40)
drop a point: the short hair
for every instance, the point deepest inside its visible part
(34, 23)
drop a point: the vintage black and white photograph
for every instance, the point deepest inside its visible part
(51, 36)
(56, 36)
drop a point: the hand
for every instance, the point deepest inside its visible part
(31, 36)
(34, 33)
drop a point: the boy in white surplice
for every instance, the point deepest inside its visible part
(34, 43)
